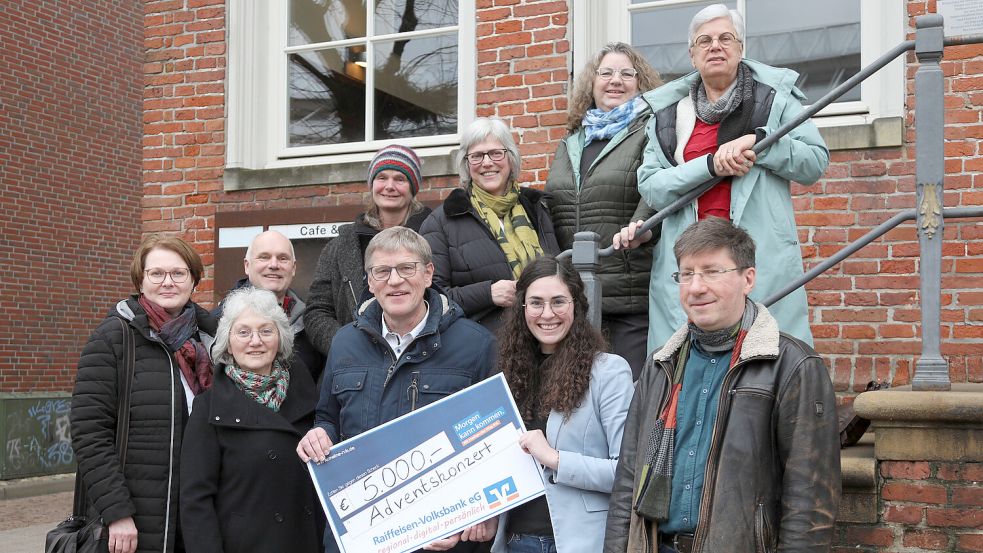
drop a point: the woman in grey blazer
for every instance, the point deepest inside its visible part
(573, 398)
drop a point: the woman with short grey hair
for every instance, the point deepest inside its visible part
(705, 125)
(241, 488)
(488, 230)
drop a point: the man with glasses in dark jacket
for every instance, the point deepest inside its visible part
(409, 346)
(731, 440)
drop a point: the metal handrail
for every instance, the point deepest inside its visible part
(766, 142)
(931, 369)
(878, 231)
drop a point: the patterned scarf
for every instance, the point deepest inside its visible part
(180, 334)
(601, 125)
(739, 92)
(655, 489)
(509, 222)
(266, 389)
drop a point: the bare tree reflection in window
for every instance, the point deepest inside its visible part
(415, 80)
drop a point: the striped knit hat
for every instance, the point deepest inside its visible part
(397, 158)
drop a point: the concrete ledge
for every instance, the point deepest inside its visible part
(926, 426)
(858, 469)
(326, 173)
(41, 485)
(881, 133)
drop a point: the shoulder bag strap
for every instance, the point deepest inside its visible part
(124, 383)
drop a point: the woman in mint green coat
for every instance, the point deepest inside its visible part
(704, 125)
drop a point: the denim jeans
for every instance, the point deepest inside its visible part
(524, 543)
(663, 548)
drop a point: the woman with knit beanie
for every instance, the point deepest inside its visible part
(486, 232)
(394, 179)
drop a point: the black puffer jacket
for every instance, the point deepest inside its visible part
(604, 200)
(243, 487)
(773, 477)
(339, 280)
(466, 256)
(149, 490)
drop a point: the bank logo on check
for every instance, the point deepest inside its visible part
(501, 492)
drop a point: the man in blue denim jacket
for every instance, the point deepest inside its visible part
(408, 346)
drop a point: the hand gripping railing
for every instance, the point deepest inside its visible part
(931, 371)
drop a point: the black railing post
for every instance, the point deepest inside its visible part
(586, 261)
(931, 370)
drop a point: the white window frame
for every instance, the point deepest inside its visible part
(257, 109)
(882, 24)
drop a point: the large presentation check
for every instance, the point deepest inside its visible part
(428, 474)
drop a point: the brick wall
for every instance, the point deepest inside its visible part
(925, 506)
(864, 312)
(69, 178)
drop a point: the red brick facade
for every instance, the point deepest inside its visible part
(69, 133)
(925, 506)
(865, 313)
(69, 178)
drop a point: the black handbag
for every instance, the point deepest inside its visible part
(79, 533)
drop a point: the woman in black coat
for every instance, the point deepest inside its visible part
(242, 489)
(486, 232)
(339, 280)
(137, 497)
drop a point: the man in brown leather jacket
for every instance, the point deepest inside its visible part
(731, 439)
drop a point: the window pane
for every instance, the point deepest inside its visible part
(327, 97)
(403, 16)
(661, 35)
(314, 21)
(416, 87)
(820, 40)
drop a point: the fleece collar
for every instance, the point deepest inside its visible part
(761, 339)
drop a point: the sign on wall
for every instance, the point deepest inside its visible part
(961, 17)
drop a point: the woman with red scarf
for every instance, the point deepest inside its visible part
(137, 497)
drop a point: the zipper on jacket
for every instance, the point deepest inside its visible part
(577, 216)
(710, 475)
(170, 463)
(352, 290)
(759, 528)
(413, 391)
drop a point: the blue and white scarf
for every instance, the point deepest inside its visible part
(602, 125)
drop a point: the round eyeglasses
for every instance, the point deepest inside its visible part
(726, 40)
(559, 306)
(157, 276)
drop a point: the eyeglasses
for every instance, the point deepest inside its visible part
(475, 158)
(725, 40)
(157, 276)
(711, 275)
(383, 272)
(559, 306)
(606, 73)
(266, 334)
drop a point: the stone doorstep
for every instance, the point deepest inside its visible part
(926, 425)
(40, 485)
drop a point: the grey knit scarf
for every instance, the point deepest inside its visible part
(719, 341)
(714, 112)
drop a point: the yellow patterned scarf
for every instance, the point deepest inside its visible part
(509, 222)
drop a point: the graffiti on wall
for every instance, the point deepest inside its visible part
(37, 437)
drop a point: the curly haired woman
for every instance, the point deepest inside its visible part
(574, 399)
